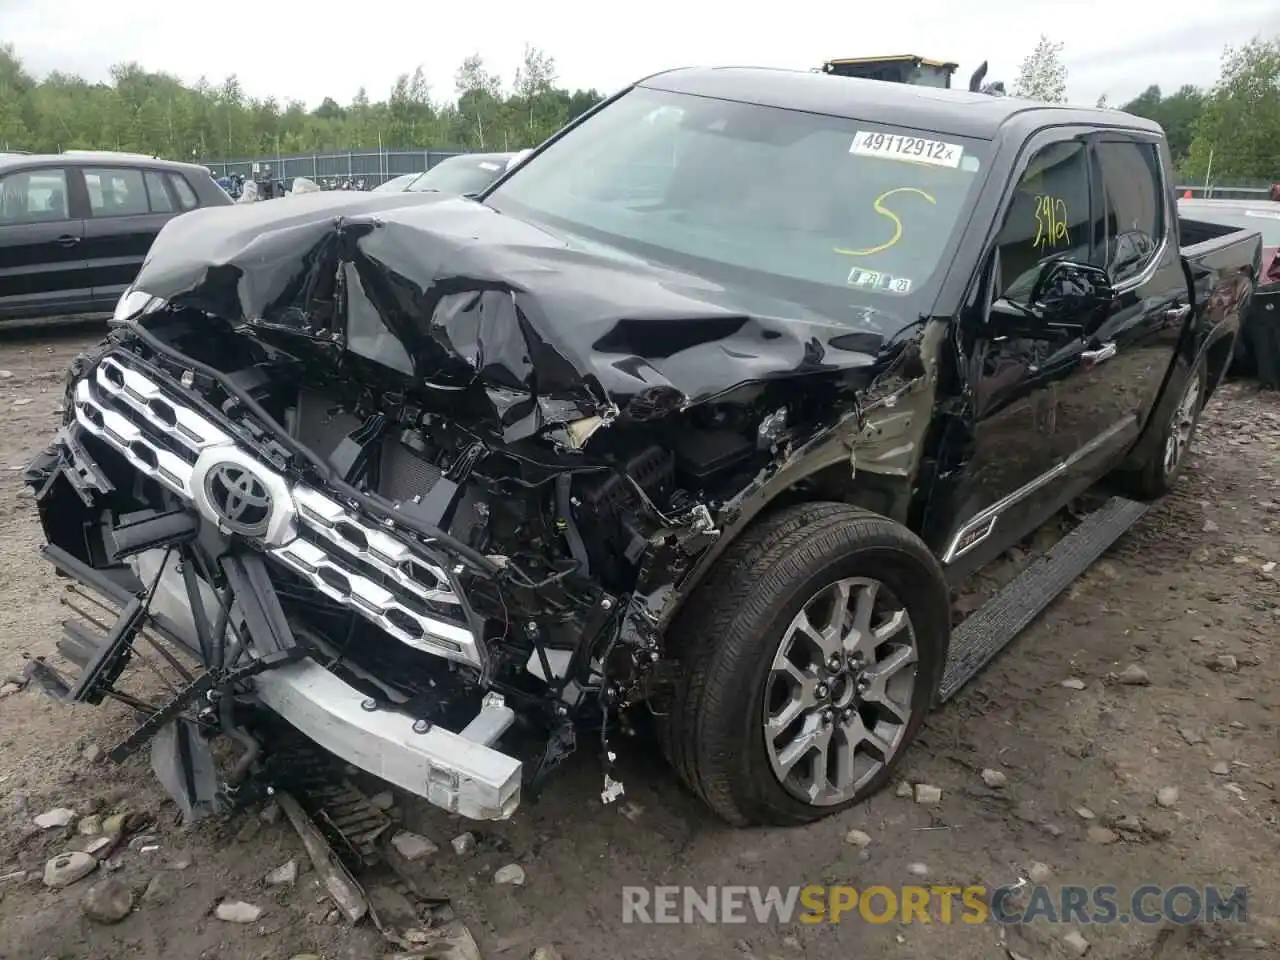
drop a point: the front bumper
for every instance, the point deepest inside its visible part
(315, 537)
(450, 770)
(460, 772)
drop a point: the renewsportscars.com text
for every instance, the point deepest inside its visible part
(813, 904)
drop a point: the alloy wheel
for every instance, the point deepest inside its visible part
(840, 689)
(1182, 426)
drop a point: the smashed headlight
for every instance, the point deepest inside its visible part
(132, 304)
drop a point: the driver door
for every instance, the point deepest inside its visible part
(1029, 376)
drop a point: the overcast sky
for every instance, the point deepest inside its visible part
(1116, 47)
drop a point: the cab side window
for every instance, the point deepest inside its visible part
(1048, 218)
(35, 196)
(1133, 200)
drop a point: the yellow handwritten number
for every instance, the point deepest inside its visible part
(885, 212)
(1051, 223)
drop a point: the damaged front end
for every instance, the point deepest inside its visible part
(429, 500)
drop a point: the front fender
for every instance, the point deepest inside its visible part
(884, 432)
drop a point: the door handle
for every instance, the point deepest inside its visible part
(67, 240)
(1091, 358)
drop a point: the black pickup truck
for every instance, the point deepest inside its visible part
(700, 411)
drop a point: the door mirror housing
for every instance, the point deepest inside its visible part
(1066, 296)
(1069, 292)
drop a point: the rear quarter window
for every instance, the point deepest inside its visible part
(186, 195)
(158, 193)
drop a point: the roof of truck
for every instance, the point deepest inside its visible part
(957, 112)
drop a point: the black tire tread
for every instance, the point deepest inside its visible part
(1145, 480)
(733, 576)
(721, 623)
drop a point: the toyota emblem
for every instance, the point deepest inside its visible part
(239, 498)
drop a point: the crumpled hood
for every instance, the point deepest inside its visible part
(553, 327)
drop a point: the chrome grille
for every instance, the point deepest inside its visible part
(344, 556)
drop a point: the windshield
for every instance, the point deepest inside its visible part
(458, 175)
(796, 205)
(396, 184)
(1265, 222)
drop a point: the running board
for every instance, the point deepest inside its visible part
(991, 628)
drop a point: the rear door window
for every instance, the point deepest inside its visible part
(34, 196)
(157, 193)
(116, 192)
(186, 196)
(1129, 172)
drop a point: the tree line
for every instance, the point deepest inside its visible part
(1229, 131)
(139, 111)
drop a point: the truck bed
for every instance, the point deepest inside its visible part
(1223, 265)
(1200, 238)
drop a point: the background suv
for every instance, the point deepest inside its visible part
(74, 228)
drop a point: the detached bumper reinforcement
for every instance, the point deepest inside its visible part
(448, 769)
(459, 772)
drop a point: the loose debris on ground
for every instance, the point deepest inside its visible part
(1128, 738)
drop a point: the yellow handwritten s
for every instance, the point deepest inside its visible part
(884, 211)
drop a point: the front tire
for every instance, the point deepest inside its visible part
(810, 657)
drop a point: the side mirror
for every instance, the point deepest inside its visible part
(1071, 292)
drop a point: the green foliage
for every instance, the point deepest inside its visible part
(1238, 121)
(155, 113)
(1239, 127)
(1177, 113)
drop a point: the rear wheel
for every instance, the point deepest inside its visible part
(1160, 460)
(810, 658)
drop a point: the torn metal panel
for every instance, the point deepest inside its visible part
(892, 440)
(883, 433)
(183, 763)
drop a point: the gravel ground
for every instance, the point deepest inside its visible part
(1165, 645)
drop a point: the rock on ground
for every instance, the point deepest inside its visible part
(1134, 676)
(512, 873)
(1167, 796)
(994, 779)
(1076, 943)
(237, 911)
(412, 846)
(857, 838)
(107, 901)
(55, 818)
(284, 875)
(66, 868)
